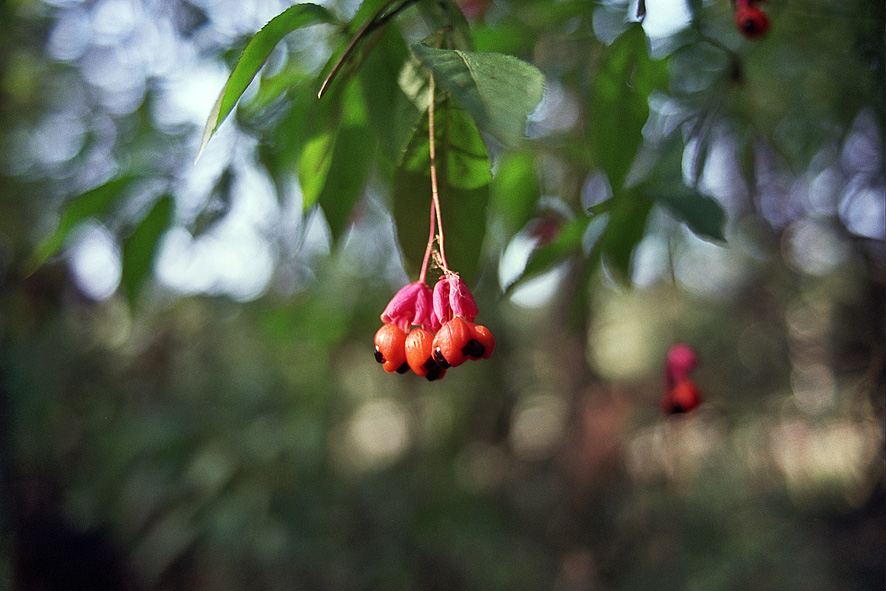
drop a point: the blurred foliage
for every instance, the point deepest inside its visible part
(188, 396)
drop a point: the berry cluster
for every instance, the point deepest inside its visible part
(750, 19)
(681, 394)
(431, 332)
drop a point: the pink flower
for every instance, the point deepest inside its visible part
(680, 361)
(452, 298)
(411, 305)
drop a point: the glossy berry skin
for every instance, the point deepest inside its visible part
(420, 354)
(751, 21)
(390, 348)
(451, 341)
(683, 397)
(459, 340)
(483, 342)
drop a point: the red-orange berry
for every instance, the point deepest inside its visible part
(683, 397)
(451, 341)
(751, 21)
(483, 343)
(390, 348)
(419, 354)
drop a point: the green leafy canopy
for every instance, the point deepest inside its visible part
(618, 111)
(254, 56)
(140, 248)
(92, 203)
(619, 103)
(499, 91)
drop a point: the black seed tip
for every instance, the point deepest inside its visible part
(435, 370)
(440, 360)
(403, 368)
(378, 356)
(474, 349)
(434, 373)
(674, 408)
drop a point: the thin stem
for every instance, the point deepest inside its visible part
(430, 247)
(435, 195)
(719, 45)
(676, 297)
(379, 19)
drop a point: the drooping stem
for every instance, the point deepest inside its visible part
(435, 194)
(430, 247)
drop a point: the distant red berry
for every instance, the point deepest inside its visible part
(751, 21)
(681, 398)
(473, 9)
(681, 394)
(546, 229)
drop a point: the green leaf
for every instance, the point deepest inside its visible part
(392, 114)
(445, 16)
(600, 208)
(619, 103)
(93, 203)
(627, 224)
(336, 160)
(346, 180)
(140, 248)
(286, 140)
(515, 190)
(254, 56)
(665, 185)
(218, 205)
(702, 214)
(567, 243)
(695, 8)
(499, 91)
(286, 82)
(366, 35)
(313, 166)
(621, 223)
(619, 108)
(463, 182)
